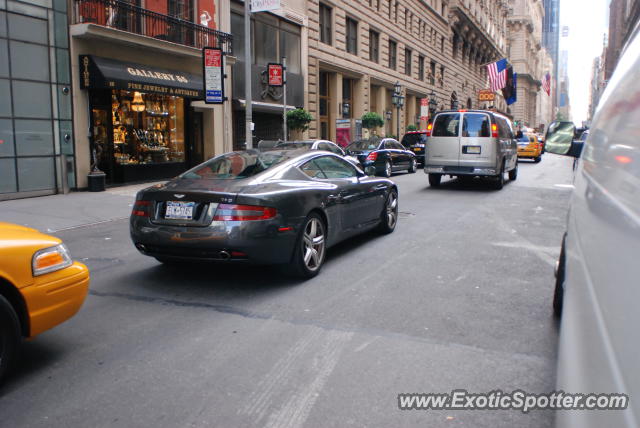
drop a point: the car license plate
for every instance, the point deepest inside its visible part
(179, 210)
(473, 150)
(417, 149)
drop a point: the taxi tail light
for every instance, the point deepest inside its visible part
(50, 259)
(429, 129)
(232, 212)
(372, 156)
(141, 208)
(494, 130)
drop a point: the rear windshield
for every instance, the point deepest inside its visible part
(476, 125)
(410, 139)
(235, 165)
(446, 125)
(371, 144)
(295, 145)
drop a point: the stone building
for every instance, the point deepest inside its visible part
(359, 51)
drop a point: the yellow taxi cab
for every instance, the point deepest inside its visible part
(529, 147)
(40, 286)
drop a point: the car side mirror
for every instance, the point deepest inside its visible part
(559, 139)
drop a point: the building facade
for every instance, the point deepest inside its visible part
(525, 51)
(360, 51)
(35, 111)
(551, 41)
(624, 17)
(137, 87)
(545, 102)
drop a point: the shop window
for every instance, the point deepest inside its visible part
(4, 59)
(393, 48)
(325, 24)
(8, 176)
(290, 48)
(352, 36)
(266, 49)
(33, 137)
(27, 29)
(374, 46)
(34, 100)
(147, 128)
(29, 61)
(36, 174)
(6, 138)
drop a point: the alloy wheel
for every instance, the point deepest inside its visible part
(313, 244)
(387, 169)
(392, 210)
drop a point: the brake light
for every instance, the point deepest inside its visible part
(429, 128)
(494, 130)
(462, 111)
(231, 212)
(372, 156)
(141, 208)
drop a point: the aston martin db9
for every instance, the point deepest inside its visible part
(273, 207)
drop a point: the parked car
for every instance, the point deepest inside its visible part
(471, 143)
(325, 145)
(382, 156)
(275, 207)
(416, 141)
(40, 287)
(529, 147)
(597, 275)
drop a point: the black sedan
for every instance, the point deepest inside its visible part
(382, 156)
(274, 207)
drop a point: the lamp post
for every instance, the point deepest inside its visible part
(397, 100)
(433, 103)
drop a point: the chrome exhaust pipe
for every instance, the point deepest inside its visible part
(224, 255)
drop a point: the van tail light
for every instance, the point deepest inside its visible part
(429, 129)
(494, 130)
(141, 208)
(372, 156)
(231, 212)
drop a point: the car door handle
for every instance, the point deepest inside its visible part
(380, 187)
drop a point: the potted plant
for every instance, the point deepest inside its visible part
(371, 121)
(298, 120)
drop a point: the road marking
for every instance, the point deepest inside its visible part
(565, 186)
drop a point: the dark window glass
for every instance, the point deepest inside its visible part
(335, 168)
(266, 50)
(325, 24)
(393, 47)
(410, 139)
(374, 42)
(290, 48)
(476, 125)
(312, 170)
(370, 144)
(432, 76)
(407, 62)
(420, 68)
(446, 125)
(352, 36)
(235, 166)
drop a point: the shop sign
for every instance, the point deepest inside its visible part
(275, 74)
(264, 5)
(213, 76)
(486, 95)
(424, 108)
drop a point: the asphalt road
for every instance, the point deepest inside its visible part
(459, 296)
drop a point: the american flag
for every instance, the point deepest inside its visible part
(546, 83)
(497, 72)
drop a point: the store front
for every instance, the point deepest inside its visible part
(142, 126)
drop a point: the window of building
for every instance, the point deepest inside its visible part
(420, 68)
(432, 75)
(407, 61)
(267, 50)
(393, 47)
(325, 24)
(352, 36)
(442, 76)
(454, 47)
(374, 46)
(323, 104)
(442, 44)
(290, 48)
(390, 10)
(395, 13)
(347, 98)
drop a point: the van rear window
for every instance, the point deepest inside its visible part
(446, 125)
(476, 125)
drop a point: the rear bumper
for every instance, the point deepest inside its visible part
(259, 242)
(460, 170)
(55, 297)
(529, 153)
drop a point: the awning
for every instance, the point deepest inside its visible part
(104, 73)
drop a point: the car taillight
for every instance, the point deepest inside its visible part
(141, 208)
(372, 156)
(494, 130)
(231, 212)
(429, 128)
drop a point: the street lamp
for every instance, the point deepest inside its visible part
(433, 103)
(397, 100)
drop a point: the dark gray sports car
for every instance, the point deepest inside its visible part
(271, 207)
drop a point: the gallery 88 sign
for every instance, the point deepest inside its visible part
(157, 75)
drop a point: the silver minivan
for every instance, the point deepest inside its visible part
(471, 143)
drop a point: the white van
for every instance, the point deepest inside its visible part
(471, 143)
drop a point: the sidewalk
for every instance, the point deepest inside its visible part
(58, 212)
